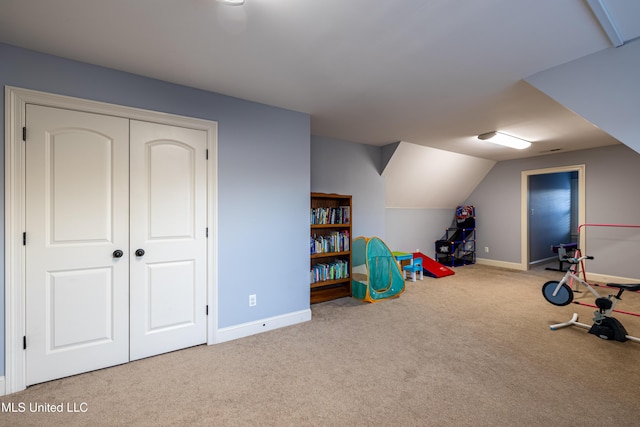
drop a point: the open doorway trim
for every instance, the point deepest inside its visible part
(15, 309)
(524, 206)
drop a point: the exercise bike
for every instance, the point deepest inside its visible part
(604, 325)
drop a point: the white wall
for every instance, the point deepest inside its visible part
(429, 178)
(603, 87)
(411, 229)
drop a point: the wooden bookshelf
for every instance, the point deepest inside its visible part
(330, 246)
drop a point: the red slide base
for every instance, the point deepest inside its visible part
(432, 267)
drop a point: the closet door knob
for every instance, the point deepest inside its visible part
(118, 253)
(140, 252)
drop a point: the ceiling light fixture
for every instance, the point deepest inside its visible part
(232, 2)
(504, 139)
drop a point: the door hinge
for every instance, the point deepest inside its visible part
(24, 239)
(24, 342)
(206, 156)
(207, 310)
(24, 133)
(206, 232)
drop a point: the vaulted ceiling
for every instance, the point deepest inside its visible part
(431, 72)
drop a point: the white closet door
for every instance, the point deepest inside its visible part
(77, 216)
(168, 230)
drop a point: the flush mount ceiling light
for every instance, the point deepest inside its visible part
(506, 140)
(232, 2)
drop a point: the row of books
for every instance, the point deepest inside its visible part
(337, 241)
(339, 215)
(338, 269)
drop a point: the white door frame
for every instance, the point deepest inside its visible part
(15, 309)
(524, 210)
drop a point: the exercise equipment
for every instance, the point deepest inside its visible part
(581, 268)
(375, 274)
(581, 226)
(563, 250)
(458, 245)
(604, 325)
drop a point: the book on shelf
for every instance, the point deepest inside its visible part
(338, 215)
(337, 241)
(346, 214)
(336, 269)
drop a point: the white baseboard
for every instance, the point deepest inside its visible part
(264, 325)
(591, 277)
(503, 264)
(603, 278)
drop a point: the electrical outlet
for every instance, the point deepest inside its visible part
(486, 249)
(252, 300)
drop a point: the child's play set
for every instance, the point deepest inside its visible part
(375, 273)
(378, 273)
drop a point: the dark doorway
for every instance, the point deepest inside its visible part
(553, 213)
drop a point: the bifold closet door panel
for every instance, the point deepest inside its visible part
(168, 238)
(77, 218)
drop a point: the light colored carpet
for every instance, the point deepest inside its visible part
(473, 349)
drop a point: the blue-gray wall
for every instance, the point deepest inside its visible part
(349, 168)
(612, 176)
(263, 178)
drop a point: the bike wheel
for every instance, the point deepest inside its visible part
(563, 297)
